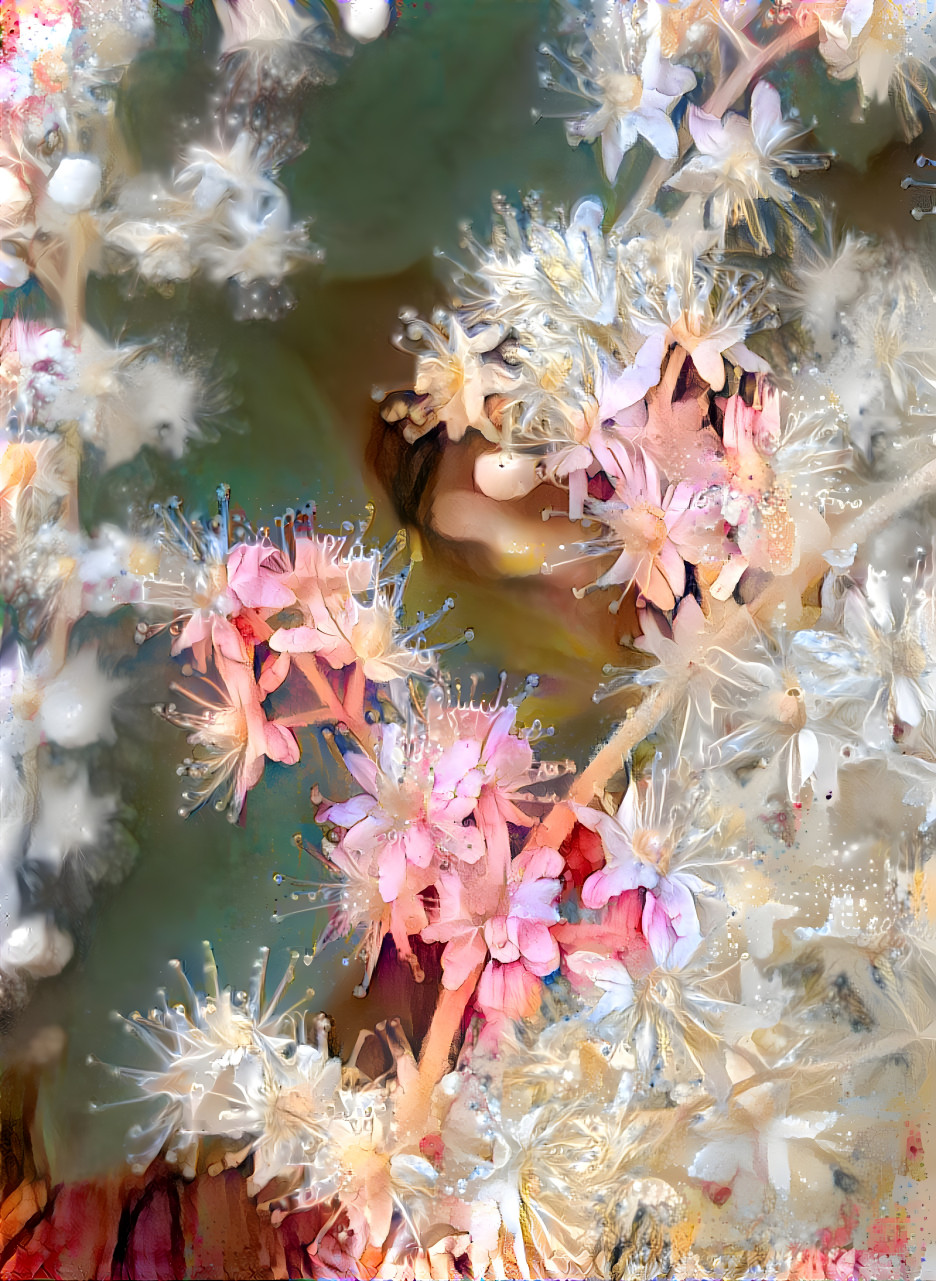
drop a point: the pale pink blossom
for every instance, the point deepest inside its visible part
(505, 922)
(255, 576)
(231, 730)
(323, 582)
(411, 811)
(654, 532)
(645, 850)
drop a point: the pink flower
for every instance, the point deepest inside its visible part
(233, 731)
(206, 632)
(410, 810)
(750, 435)
(506, 921)
(255, 576)
(521, 932)
(655, 531)
(322, 582)
(615, 414)
(641, 846)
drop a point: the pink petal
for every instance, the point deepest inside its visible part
(511, 989)
(281, 744)
(707, 132)
(420, 846)
(461, 956)
(536, 944)
(392, 865)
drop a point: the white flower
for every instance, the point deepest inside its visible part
(75, 706)
(888, 48)
(740, 162)
(760, 1140)
(623, 70)
(72, 819)
(608, 974)
(455, 377)
(781, 708)
(678, 293)
(37, 946)
(76, 183)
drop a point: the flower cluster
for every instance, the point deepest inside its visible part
(312, 618)
(674, 998)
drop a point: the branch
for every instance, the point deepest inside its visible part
(890, 504)
(436, 1053)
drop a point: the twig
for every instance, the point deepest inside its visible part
(889, 505)
(436, 1053)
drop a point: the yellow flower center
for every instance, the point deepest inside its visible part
(621, 90)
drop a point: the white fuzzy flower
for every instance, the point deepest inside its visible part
(72, 819)
(37, 946)
(76, 183)
(75, 705)
(622, 68)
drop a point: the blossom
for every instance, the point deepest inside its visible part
(647, 848)
(191, 579)
(877, 662)
(707, 334)
(503, 921)
(780, 707)
(623, 70)
(75, 704)
(410, 810)
(761, 1139)
(455, 378)
(739, 161)
(355, 906)
(656, 531)
(235, 1067)
(322, 580)
(231, 731)
(608, 974)
(885, 50)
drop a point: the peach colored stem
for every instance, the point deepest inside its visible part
(732, 89)
(889, 505)
(314, 716)
(436, 1053)
(638, 724)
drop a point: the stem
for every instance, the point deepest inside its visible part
(310, 669)
(354, 701)
(716, 105)
(643, 721)
(300, 719)
(795, 34)
(634, 729)
(890, 504)
(413, 1110)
